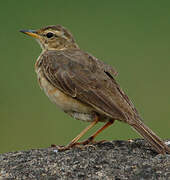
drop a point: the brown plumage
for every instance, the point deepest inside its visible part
(83, 86)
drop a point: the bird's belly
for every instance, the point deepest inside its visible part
(68, 104)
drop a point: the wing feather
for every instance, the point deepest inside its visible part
(81, 78)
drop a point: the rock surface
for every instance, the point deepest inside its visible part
(109, 160)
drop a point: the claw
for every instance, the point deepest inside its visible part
(80, 145)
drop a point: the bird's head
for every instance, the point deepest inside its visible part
(53, 37)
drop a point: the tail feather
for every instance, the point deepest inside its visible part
(151, 137)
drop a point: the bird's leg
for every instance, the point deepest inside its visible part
(91, 138)
(74, 141)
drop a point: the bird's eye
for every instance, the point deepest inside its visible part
(49, 35)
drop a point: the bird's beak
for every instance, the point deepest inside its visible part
(31, 33)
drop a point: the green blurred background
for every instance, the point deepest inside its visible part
(133, 36)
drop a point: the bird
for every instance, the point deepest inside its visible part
(84, 87)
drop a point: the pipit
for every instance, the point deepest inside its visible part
(84, 87)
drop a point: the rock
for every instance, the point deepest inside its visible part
(117, 160)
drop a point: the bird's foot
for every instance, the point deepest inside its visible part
(90, 140)
(70, 146)
(80, 145)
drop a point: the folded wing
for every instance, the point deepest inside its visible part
(89, 81)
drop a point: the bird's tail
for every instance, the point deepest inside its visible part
(151, 137)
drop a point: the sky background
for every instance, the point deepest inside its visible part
(132, 36)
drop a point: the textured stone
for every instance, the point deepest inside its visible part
(108, 160)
